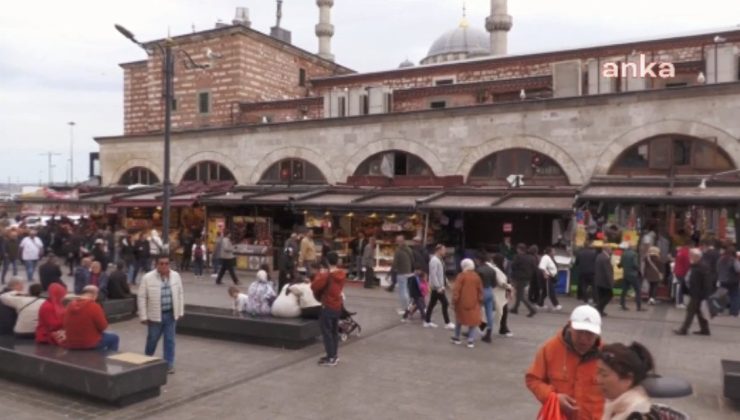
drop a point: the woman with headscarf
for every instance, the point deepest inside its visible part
(467, 296)
(261, 295)
(652, 270)
(51, 317)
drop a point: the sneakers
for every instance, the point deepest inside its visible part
(171, 370)
(404, 320)
(401, 311)
(681, 306)
(430, 325)
(558, 308)
(507, 334)
(326, 361)
(470, 345)
(455, 340)
(450, 326)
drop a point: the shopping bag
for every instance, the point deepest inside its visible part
(551, 409)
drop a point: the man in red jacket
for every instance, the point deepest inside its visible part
(85, 324)
(327, 287)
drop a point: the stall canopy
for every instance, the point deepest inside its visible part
(690, 191)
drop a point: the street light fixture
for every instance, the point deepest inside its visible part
(71, 152)
(703, 183)
(169, 75)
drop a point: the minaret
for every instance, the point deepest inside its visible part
(498, 24)
(324, 29)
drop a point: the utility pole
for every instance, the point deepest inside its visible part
(49, 156)
(71, 152)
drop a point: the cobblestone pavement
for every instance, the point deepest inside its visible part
(393, 370)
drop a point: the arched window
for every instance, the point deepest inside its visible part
(207, 171)
(138, 175)
(537, 168)
(672, 153)
(393, 163)
(292, 171)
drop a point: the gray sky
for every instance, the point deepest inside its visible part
(59, 59)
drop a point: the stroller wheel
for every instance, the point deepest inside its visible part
(343, 337)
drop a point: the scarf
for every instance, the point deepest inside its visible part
(633, 401)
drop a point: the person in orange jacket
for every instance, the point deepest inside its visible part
(567, 365)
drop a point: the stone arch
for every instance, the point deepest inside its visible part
(618, 145)
(134, 163)
(292, 152)
(402, 145)
(560, 156)
(212, 156)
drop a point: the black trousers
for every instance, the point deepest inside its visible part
(227, 265)
(440, 297)
(369, 277)
(694, 309)
(534, 290)
(547, 289)
(504, 327)
(605, 296)
(586, 286)
(520, 286)
(635, 284)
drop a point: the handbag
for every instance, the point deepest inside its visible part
(551, 409)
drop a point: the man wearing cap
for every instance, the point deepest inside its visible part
(567, 364)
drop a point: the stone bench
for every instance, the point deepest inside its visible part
(731, 379)
(666, 387)
(119, 309)
(89, 373)
(224, 324)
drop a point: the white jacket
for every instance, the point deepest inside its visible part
(28, 317)
(499, 292)
(149, 296)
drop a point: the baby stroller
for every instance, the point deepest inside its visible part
(347, 325)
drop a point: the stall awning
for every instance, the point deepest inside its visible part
(662, 194)
(504, 201)
(538, 204)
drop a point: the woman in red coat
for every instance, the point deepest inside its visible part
(467, 295)
(51, 317)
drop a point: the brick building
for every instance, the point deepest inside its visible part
(452, 132)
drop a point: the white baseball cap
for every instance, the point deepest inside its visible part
(586, 318)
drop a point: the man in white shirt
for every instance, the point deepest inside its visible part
(437, 283)
(161, 303)
(31, 251)
(550, 274)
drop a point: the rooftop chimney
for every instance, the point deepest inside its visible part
(276, 31)
(241, 17)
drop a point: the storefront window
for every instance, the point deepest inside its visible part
(392, 164)
(293, 171)
(208, 172)
(532, 165)
(684, 155)
(138, 175)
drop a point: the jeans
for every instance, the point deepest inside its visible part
(131, 272)
(216, 263)
(442, 298)
(471, 332)
(734, 295)
(403, 289)
(419, 304)
(358, 267)
(632, 283)
(30, 268)
(156, 330)
(488, 304)
(329, 321)
(6, 265)
(679, 290)
(108, 342)
(198, 266)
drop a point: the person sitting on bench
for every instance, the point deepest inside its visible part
(85, 324)
(51, 317)
(27, 308)
(118, 287)
(286, 304)
(260, 295)
(8, 316)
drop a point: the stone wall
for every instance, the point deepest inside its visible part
(583, 134)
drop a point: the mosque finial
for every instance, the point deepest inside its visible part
(464, 21)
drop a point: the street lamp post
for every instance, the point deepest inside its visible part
(71, 152)
(169, 75)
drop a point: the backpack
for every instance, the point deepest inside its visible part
(198, 254)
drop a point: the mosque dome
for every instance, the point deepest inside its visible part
(458, 44)
(406, 63)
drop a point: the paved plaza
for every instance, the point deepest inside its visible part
(393, 371)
